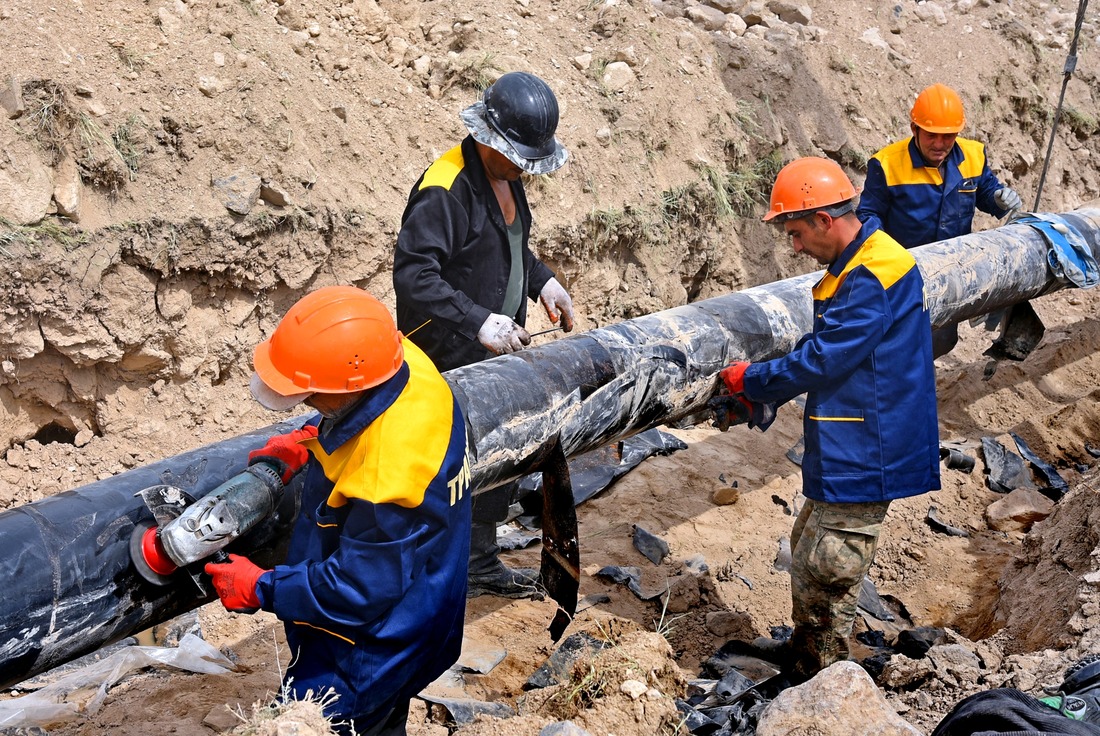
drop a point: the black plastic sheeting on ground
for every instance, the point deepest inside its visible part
(595, 471)
(558, 668)
(1006, 470)
(938, 525)
(740, 687)
(652, 547)
(463, 711)
(870, 602)
(955, 459)
(797, 451)
(1056, 486)
(630, 577)
(1008, 711)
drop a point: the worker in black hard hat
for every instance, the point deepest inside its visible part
(463, 270)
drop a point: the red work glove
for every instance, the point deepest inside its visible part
(235, 582)
(733, 376)
(285, 453)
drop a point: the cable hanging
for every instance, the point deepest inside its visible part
(1067, 72)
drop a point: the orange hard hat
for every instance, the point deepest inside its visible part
(335, 340)
(938, 109)
(806, 185)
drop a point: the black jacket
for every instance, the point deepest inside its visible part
(452, 259)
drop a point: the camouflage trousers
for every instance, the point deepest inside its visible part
(832, 548)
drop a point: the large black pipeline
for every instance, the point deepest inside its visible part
(609, 383)
(70, 587)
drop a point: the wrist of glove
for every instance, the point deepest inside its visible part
(733, 376)
(1008, 199)
(235, 581)
(285, 453)
(501, 335)
(557, 303)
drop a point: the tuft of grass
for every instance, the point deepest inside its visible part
(264, 222)
(665, 625)
(843, 66)
(1082, 123)
(541, 185)
(1033, 112)
(123, 142)
(745, 118)
(286, 710)
(584, 692)
(51, 119)
(719, 188)
(132, 60)
(751, 184)
(605, 225)
(101, 160)
(32, 235)
(475, 72)
(674, 206)
(595, 72)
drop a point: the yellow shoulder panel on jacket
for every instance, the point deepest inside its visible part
(881, 255)
(444, 170)
(884, 257)
(400, 453)
(973, 158)
(897, 166)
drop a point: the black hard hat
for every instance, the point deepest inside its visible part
(518, 116)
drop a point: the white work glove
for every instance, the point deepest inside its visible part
(556, 300)
(1007, 199)
(502, 335)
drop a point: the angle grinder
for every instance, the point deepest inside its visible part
(184, 530)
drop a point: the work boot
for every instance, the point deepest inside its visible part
(504, 582)
(488, 575)
(777, 651)
(795, 665)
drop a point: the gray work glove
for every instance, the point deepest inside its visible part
(1007, 199)
(502, 335)
(555, 299)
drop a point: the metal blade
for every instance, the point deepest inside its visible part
(560, 549)
(165, 502)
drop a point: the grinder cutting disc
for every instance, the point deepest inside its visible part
(138, 553)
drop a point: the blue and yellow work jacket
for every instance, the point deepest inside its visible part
(870, 421)
(918, 204)
(373, 591)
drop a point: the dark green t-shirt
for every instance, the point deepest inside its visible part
(513, 295)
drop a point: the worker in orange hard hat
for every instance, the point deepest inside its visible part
(372, 593)
(926, 188)
(871, 434)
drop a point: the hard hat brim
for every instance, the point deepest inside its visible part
(269, 399)
(477, 123)
(940, 129)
